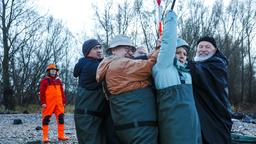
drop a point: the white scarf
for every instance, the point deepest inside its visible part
(202, 58)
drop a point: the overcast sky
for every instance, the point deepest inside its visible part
(78, 14)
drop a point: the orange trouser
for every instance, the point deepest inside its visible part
(53, 105)
(58, 110)
(46, 115)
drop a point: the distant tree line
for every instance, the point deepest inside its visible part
(233, 26)
(30, 41)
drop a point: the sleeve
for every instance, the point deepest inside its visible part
(219, 71)
(43, 87)
(143, 57)
(168, 44)
(77, 70)
(141, 68)
(211, 74)
(102, 69)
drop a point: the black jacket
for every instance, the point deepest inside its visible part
(86, 69)
(210, 87)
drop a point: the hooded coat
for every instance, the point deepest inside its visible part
(210, 86)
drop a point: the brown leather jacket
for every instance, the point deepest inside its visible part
(124, 74)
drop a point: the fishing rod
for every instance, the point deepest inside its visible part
(160, 24)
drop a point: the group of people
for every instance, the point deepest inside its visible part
(130, 97)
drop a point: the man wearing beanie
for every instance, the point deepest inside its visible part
(90, 104)
(210, 86)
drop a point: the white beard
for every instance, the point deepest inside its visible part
(202, 58)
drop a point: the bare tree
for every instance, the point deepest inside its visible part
(50, 41)
(105, 22)
(250, 25)
(17, 19)
(30, 42)
(145, 25)
(123, 17)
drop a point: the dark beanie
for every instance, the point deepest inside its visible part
(208, 39)
(88, 45)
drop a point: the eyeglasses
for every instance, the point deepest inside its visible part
(129, 48)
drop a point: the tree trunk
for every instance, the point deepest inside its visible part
(242, 74)
(250, 72)
(8, 92)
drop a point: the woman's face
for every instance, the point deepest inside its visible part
(181, 55)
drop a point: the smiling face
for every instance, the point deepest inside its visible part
(205, 50)
(181, 55)
(95, 52)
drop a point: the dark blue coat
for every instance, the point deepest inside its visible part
(210, 86)
(86, 69)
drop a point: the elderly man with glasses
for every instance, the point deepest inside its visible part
(127, 86)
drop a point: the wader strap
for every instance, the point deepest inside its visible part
(105, 89)
(136, 124)
(93, 113)
(182, 79)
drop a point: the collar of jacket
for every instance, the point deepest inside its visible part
(218, 56)
(181, 67)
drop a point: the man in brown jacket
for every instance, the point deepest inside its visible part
(132, 103)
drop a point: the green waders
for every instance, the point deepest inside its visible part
(89, 113)
(134, 116)
(178, 118)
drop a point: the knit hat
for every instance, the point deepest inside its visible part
(88, 45)
(120, 40)
(183, 43)
(208, 39)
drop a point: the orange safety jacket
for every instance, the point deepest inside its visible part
(51, 91)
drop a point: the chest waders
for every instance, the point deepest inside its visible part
(134, 116)
(89, 114)
(55, 105)
(176, 113)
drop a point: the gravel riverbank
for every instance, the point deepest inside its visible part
(26, 132)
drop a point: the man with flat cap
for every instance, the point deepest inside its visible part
(91, 116)
(209, 71)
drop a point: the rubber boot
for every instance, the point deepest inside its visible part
(61, 135)
(45, 134)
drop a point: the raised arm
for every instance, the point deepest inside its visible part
(168, 44)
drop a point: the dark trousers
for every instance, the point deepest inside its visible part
(111, 137)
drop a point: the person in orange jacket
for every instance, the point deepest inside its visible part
(52, 101)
